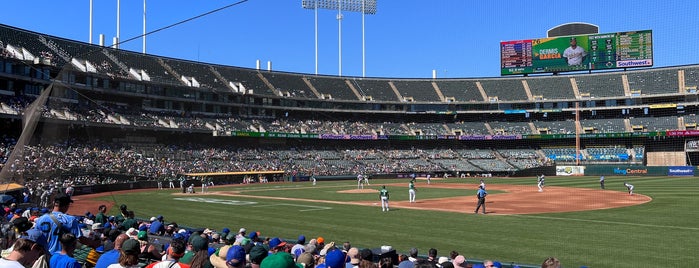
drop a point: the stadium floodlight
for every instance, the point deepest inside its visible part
(362, 6)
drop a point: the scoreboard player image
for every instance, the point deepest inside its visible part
(577, 53)
(574, 54)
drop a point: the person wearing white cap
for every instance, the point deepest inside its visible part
(241, 235)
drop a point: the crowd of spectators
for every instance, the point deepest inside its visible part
(114, 114)
(98, 240)
(167, 161)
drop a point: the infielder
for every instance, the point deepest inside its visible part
(411, 191)
(383, 195)
(429, 177)
(482, 185)
(360, 179)
(366, 180)
(629, 187)
(601, 182)
(540, 183)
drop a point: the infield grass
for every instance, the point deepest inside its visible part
(662, 232)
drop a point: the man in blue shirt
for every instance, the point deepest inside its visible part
(57, 223)
(156, 227)
(112, 256)
(481, 199)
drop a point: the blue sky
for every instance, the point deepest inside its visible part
(405, 38)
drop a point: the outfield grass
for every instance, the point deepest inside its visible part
(661, 232)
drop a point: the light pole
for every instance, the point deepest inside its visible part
(363, 6)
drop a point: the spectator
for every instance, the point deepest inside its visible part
(200, 246)
(299, 247)
(26, 250)
(58, 222)
(148, 251)
(432, 256)
(156, 227)
(128, 256)
(551, 262)
(64, 258)
(353, 255)
(413, 255)
(460, 261)
(257, 255)
(335, 258)
(112, 256)
(174, 252)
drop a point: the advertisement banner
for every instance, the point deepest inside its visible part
(680, 171)
(570, 170)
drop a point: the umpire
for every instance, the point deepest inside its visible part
(481, 199)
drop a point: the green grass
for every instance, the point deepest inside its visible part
(661, 232)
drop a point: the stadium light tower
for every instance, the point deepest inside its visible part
(363, 6)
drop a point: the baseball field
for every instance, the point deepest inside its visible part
(572, 219)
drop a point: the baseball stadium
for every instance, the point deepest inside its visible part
(589, 163)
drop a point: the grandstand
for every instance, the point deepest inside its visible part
(137, 117)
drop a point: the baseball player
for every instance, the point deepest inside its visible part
(429, 177)
(366, 180)
(482, 185)
(540, 183)
(383, 195)
(629, 187)
(360, 179)
(313, 179)
(411, 191)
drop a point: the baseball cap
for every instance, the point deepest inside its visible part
(252, 235)
(142, 235)
(280, 260)
(276, 242)
(242, 230)
(236, 256)
(335, 259)
(131, 247)
(63, 199)
(153, 219)
(413, 251)
(226, 230)
(123, 207)
(320, 240)
(301, 240)
(306, 259)
(257, 254)
(97, 226)
(36, 236)
(199, 243)
(22, 224)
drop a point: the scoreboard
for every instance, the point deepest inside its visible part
(577, 53)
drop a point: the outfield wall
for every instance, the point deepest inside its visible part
(626, 170)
